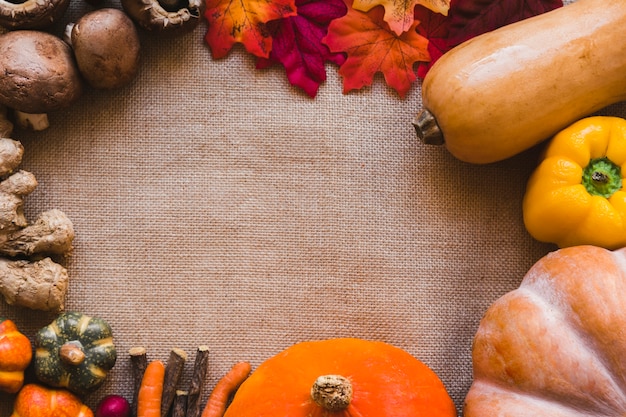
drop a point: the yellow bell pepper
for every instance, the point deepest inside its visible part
(576, 195)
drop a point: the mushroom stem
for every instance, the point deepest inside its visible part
(67, 33)
(332, 392)
(31, 121)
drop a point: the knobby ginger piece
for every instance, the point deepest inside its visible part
(52, 233)
(11, 153)
(12, 192)
(38, 285)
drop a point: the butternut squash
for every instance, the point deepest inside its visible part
(508, 90)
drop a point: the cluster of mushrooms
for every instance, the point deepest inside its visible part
(41, 72)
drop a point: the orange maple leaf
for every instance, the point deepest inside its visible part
(243, 21)
(400, 14)
(372, 47)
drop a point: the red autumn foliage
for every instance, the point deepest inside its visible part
(243, 21)
(297, 43)
(372, 47)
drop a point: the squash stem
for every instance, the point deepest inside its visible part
(427, 128)
(332, 392)
(71, 353)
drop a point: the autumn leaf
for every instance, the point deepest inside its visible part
(372, 47)
(470, 18)
(243, 21)
(434, 27)
(297, 43)
(399, 14)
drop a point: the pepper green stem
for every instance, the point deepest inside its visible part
(602, 177)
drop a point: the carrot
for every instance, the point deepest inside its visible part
(151, 390)
(216, 404)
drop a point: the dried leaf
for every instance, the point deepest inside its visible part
(372, 47)
(243, 21)
(399, 14)
(297, 43)
(470, 18)
(434, 27)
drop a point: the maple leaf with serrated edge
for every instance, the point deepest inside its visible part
(470, 18)
(297, 43)
(399, 14)
(243, 21)
(434, 27)
(372, 47)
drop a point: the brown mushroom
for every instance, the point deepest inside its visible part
(106, 46)
(171, 17)
(6, 127)
(38, 75)
(31, 14)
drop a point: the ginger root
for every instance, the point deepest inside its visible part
(39, 285)
(27, 280)
(52, 233)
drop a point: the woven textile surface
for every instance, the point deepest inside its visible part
(215, 204)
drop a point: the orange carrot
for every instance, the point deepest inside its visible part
(151, 390)
(216, 404)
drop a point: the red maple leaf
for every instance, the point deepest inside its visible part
(399, 14)
(371, 47)
(297, 43)
(470, 18)
(243, 21)
(435, 27)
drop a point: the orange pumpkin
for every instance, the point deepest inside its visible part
(16, 353)
(342, 377)
(35, 400)
(555, 346)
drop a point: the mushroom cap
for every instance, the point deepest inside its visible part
(38, 73)
(31, 14)
(151, 15)
(97, 39)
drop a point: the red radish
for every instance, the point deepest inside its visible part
(113, 406)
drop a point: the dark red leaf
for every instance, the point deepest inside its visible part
(297, 43)
(434, 27)
(470, 18)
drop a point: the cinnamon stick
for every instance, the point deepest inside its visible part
(179, 407)
(138, 363)
(198, 378)
(173, 373)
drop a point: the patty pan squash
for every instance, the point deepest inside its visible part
(555, 345)
(75, 351)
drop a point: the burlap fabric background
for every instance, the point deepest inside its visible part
(215, 204)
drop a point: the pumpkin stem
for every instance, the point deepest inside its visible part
(332, 392)
(71, 353)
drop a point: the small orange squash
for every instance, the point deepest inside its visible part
(345, 377)
(35, 400)
(555, 346)
(15, 355)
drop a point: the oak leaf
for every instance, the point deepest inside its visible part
(470, 18)
(243, 21)
(399, 14)
(372, 47)
(297, 43)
